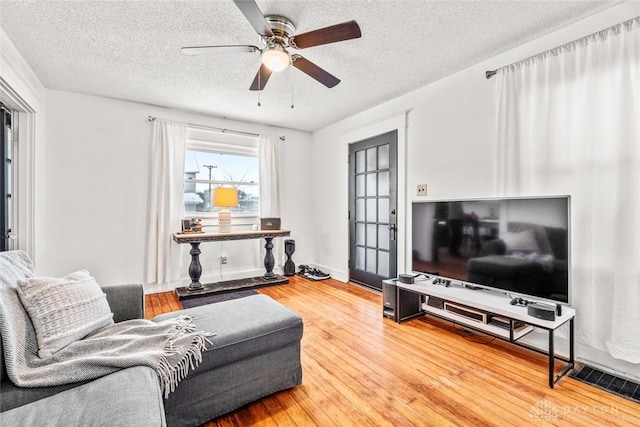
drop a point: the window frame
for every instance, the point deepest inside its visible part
(8, 172)
(206, 140)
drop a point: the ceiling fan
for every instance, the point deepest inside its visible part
(277, 34)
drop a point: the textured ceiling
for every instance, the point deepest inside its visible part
(131, 50)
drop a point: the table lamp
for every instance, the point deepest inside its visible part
(225, 197)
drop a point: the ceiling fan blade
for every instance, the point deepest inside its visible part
(202, 50)
(335, 33)
(311, 69)
(254, 15)
(262, 77)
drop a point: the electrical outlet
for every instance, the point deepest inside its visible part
(422, 189)
(223, 260)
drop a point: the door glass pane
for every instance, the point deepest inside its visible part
(9, 177)
(371, 184)
(360, 186)
(372, 159)
(360, 258)
(360, 234)
(360, 163)
(383, 210)
(372, 235)
(10, 215)
(383, 237)
(383, 156)
(360, 209)
(383, 184)
(372, 266)
(383, 263)
(371, 210)
(9, 145)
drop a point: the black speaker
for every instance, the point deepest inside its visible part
(389, 296)
(289, 249)
(542, 311)
(407, 278)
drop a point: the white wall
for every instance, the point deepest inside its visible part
(450, 146)
(96, 189)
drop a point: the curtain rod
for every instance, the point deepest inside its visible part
(222, 130)
(491, 73)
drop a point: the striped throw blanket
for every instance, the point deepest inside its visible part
(172, 347)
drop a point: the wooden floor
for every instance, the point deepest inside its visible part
(361, 369)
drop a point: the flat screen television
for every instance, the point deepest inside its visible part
(516, 245)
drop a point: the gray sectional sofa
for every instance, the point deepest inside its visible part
(255, 352)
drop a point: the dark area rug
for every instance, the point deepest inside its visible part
(210, 299)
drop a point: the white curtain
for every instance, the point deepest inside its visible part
(165, 201)
(268, 148)
(569, 123)
(269, 155)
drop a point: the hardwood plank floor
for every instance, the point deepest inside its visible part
(361, 369)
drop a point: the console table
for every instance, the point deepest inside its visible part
(511, 321)
(196, 288)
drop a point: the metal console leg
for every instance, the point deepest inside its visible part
(570, 364)
(571, 354)
(551, 359)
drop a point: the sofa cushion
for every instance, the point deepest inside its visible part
(256, 352)
(14, 396)
(130, 397)
(125, 300)
(244, 327)
(64, 310)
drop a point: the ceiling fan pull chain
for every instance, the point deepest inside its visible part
(259, 72)
(291, 78)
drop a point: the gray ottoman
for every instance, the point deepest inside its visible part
(256, 352)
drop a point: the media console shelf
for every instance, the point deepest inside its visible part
(486, 311)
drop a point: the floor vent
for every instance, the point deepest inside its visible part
(616, 385)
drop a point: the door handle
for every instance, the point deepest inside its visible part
(393, 229)
(8, 236)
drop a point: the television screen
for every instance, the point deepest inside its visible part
(518, 245)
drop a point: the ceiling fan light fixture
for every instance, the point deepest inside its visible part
(276, 58)
(277, 34)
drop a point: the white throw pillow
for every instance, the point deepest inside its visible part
(64, 310)
(524, 241)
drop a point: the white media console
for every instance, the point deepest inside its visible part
(482, 310)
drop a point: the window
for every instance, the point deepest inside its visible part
(6, 172)
(213, 160)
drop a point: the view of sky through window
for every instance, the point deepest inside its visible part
(220, 169)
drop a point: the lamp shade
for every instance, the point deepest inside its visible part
(225, 197)
(276, 58)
